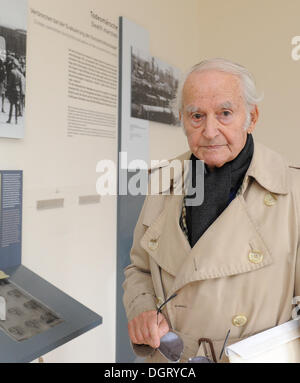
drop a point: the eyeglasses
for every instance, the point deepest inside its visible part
(171, 345)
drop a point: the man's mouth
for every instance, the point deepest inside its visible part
(213, 147)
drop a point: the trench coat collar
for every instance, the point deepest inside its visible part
(206, 260)
(267, 167)
(215, 255)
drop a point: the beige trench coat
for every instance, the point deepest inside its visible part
(242, 273)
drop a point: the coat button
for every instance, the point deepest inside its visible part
(255, 257)
(239, 320)
(153, 244)
(270, 199)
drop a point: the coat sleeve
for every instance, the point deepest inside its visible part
(139, 294)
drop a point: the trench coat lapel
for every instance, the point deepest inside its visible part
(164, 239)
(224, 249)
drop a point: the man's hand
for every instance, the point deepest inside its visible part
(143, 329)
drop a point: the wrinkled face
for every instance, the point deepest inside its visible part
(214, 115)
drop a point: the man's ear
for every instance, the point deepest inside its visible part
(180, 116)
(254, 117)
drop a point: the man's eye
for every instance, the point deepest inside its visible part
(197, 116)
(226, 113)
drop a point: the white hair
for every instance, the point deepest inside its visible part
(247, 82)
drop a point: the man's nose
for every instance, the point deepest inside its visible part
(210, 130)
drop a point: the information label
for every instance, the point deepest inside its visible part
(10, 218)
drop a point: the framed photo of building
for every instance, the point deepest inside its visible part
(154, 86)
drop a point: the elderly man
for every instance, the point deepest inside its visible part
(233, 261)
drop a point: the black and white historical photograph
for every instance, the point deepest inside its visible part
(13, 33)
(154, 87)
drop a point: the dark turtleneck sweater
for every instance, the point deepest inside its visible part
(220, 187)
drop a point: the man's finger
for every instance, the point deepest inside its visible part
(163, 328)
(139, 336)
(160, 318)
(154, 334)
(145, 333)
(131, 332)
